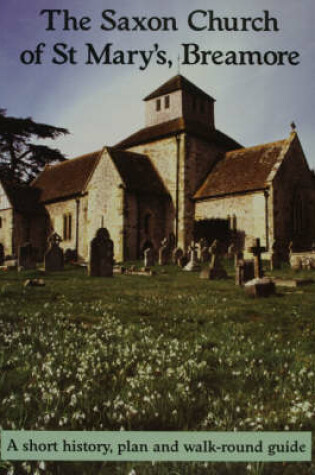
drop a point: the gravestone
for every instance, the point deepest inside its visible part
(192, 265)
(275, 258)
(258, 250)
(164, 252)
(149, 257)
(26, 258)
(216, 269)
(205, 254)
(1, 254)
(101, 255)
(244, 271)
(177, 255)
(54, 261)
(260, 286)
(235, 253)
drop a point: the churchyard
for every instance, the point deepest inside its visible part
(165, 350)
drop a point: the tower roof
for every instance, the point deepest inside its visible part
(174, 84)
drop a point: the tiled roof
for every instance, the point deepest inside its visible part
(137, 172)
(174, 84)
(173, 127)
(66, 179)
(22, 197)
(246, 169)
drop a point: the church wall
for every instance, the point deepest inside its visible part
(163, 155)
(38, 234)
(6, 216)
(83, 244)
(174, 111)
(56, 212)
(106, 204)
(248, 209)
(293, 178)
(131, 226)
(155, 208)
(200, 157)
(198, 109)
(144, 222)
(195, 159)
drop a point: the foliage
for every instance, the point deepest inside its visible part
(20, 158)
(170, 352)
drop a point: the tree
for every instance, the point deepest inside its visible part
(20, 158)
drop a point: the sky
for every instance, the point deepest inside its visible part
(102, 104)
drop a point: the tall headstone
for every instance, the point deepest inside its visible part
(216, 269)
(204, 251)
(244, 271)
(259, 286)
(164, 252)
(177, 255)
(257, 250)
(54, 260)
(1, 254)
(101, 255)
(275, 258)
(26, 258)
(149, 257)
(192, 265)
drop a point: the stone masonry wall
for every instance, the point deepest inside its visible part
(6, 216)
(249, 210)
(106, 204)
(163, 155)
(56, 213)
(174, 111)
(293, 178)
(200, 157)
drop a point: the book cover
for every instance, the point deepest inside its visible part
(157, 229)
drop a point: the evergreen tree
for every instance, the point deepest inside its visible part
(20, 158)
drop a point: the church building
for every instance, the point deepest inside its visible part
(178, 176)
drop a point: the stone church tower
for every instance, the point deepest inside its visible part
(183, 144)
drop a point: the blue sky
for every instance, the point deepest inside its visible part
(101, 104)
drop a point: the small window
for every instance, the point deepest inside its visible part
(158, 104)
(167, 102)
(67, 227)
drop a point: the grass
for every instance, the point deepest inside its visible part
(169, 352)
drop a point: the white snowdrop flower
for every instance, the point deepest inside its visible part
(46, 418)
(42, 465)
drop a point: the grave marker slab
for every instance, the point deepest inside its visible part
(192, 265)
(216, 269)
(101, 255)
(149, 257)
(54, 261)
(258, 250)
(260, 287)
(244, 272)
(26, 259)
